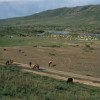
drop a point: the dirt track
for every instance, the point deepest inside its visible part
(70, 59)
(88, 80)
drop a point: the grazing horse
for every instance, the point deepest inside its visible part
(19, 50)
(7, 62)
(69, 80)
(30, 64)
(4, 49)
(11, 61)
(50, 62)
(35, 66)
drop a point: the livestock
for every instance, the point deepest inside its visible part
(4, 49)
(69, 80)
(30, 63)
(50, 62)
(11, 61)
(36, 66)
(19, 50)
(7, 62)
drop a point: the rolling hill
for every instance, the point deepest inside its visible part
(77, 16)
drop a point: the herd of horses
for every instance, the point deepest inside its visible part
(9, 62)
(36, 66)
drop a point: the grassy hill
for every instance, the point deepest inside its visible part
(76, 16)
(83, 19)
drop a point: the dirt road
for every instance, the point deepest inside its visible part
(80, 78)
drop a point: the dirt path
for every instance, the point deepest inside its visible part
(63, 78)
(88, 80)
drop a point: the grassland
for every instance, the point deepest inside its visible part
(49, 40)
(18, 85)
(69, 53)
(72, 53)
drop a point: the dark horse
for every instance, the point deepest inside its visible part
(30, 64)
(69, 80)
(7, 62)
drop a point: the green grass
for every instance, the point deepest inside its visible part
(44, 41)
(17, 85)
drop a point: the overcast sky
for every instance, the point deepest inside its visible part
(14, 8)
(63, 2)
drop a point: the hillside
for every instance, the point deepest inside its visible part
(76, 16)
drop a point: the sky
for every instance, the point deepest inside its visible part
(15, 8)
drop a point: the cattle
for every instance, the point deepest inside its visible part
(69, 80)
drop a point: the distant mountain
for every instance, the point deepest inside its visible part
(76, 16)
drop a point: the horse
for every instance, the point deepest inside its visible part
(7, 62)
(19, 50)
(11, 61)
(35, 66)
(50, 62)
(69, 80)
(30, 63)
(5, 49)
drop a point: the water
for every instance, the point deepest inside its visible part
(40, 34)
(55, 32)
(58, 32)
(65, 32)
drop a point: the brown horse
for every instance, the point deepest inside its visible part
(11, 61)
(36, 66)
